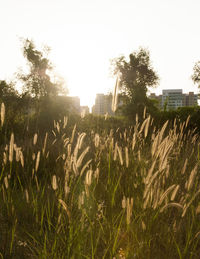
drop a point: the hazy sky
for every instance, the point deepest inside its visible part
(85, 34)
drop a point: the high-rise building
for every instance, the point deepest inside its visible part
(103, 105)
(171, 99)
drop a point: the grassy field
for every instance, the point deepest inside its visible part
(127, 194)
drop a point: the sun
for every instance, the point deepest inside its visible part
(85, 69)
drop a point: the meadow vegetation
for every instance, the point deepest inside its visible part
(130, 192)
(97, 187)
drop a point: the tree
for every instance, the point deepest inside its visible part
(196, 73)
(37, 82)
(136, 76)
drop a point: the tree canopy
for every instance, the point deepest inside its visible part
(37, 82)
(196, 73)
(136, 75)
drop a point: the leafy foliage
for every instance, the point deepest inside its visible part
(136, 75)
(38, 82)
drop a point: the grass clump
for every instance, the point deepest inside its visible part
(131, 193)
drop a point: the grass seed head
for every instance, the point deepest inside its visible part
(2, 114)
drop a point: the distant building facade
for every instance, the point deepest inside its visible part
(103, 105)
(172, 99)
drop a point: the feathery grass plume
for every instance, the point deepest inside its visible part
(54, 182)
(6, 182)
(21, 158)
(133, 141)
(88, 177)
(129, 208)
(184, 167)
(143, 125)
(37, 184)
(81, 199)
(115, 152)
(191, 178)
(37, 161)
(88, 181)
(127, 158)
(26, 195)
(96, 140)
(33, 156)
(174, 192)
(147, 126)
(73, 133)
(150, 172)
(149, 183)
(66, 188)
(166, 193)
(171, 204)
(85, 166)
(124, 202)
(81, 157)
(69, 150)
(96, 174)
(144, 113)
(120, 154)
(58, 127)
(197, 209)
(115, 93)
(188, 205)
(45, 143)
(2, 114)
(4, 158)
(64, 205)
(143, 225)
(35, 138)
(80, 139)
(65, 120)
(11, 147)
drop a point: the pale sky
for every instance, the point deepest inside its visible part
(85, 34)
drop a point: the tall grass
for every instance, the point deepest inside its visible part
(130, 194)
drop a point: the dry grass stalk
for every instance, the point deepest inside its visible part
(2, 114)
